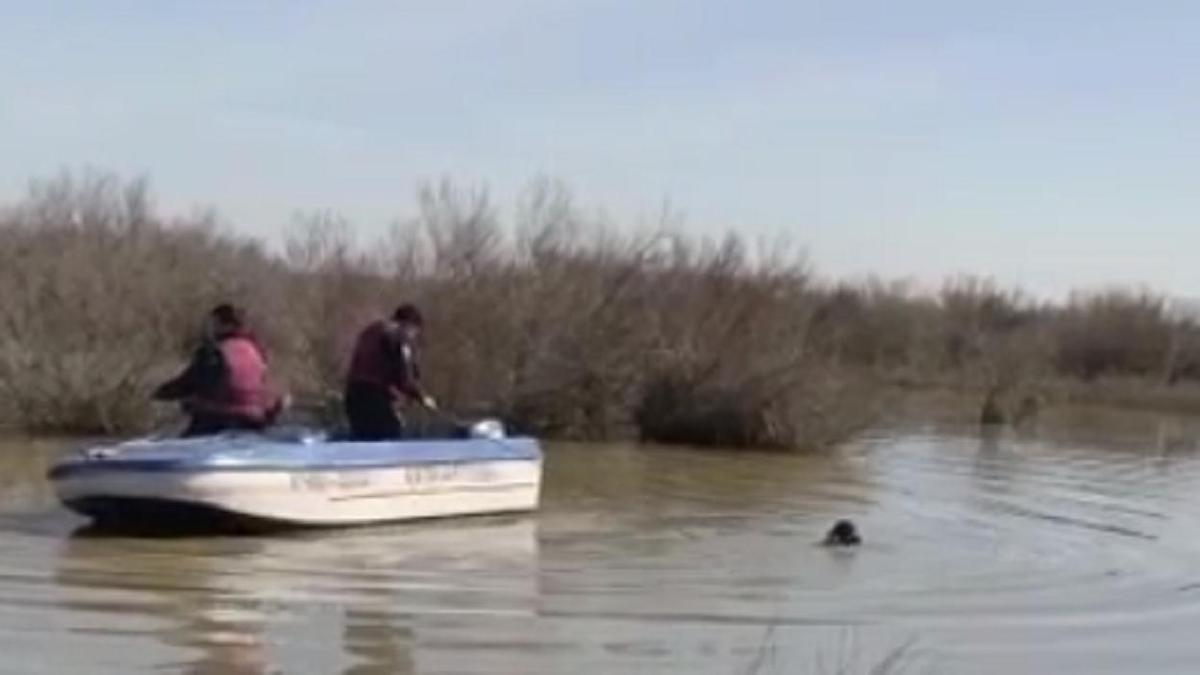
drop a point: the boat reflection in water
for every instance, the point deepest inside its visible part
(283, 604)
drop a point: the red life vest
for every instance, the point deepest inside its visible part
(244, 391)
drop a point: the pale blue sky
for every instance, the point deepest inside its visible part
(1053, 144)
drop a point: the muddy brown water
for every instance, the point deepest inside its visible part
(1071, 548)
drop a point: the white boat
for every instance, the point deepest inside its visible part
(242, 480)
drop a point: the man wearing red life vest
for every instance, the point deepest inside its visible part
(384, 373)
(225, 385)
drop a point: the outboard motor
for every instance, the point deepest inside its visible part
(488, 429)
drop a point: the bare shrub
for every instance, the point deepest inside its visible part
(98, 294)
(333, 290)
(542, 328)
(732, 363)
(882, 326)
(1115, 332)
(552, 318)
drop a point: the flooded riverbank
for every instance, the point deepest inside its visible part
(1066, 549)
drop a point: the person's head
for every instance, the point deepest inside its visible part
(408, 321)
(224, 320)
(843, 533)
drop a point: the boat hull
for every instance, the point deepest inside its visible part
(303, 487)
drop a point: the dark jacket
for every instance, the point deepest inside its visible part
(201, 377)
(384, 363)
(225, 376)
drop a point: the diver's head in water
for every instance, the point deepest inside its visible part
(843, 533)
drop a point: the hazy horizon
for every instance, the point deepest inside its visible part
(1049, 147)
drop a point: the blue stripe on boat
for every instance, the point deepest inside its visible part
(250, 452)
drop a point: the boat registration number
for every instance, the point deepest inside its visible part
(413, 477)
(326, 481)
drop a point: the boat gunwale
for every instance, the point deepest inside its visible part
(188, 462)
(86, 466)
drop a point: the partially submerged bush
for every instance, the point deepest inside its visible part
(819, 410)
(674, 409)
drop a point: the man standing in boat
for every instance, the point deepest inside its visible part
(383, 374)
(225, 385)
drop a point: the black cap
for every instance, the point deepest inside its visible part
(408, 313)
(228, 314)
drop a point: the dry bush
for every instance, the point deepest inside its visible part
(820, 408)
(333, 290)
(995, 338)
(732, 363)
(98, 294)
(976, 315)
(882, 326)
(1116, 332)
(551, 318)
(537, 322)
(565, 327)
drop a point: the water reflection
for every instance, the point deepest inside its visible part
(379, 646)
(23, 463)
(181, 588)
(322, 602)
